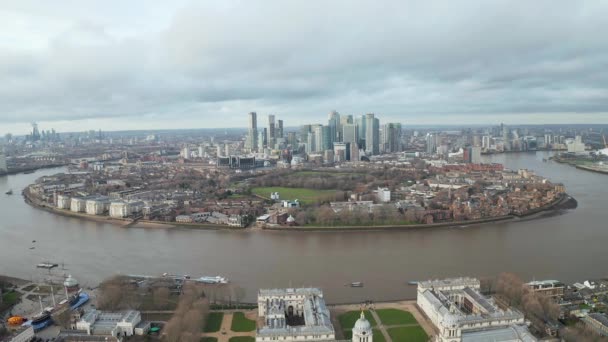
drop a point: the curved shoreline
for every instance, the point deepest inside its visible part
(563, 202)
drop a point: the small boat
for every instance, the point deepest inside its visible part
(33, 241)
(10, 192)
(47, 265)
(212, 280)
(32, 247)
(412, 283)
(356, 284)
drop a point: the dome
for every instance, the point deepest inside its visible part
(70, 282)
(362, 324)
(290, 219)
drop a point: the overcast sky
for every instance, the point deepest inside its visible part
(115, 64)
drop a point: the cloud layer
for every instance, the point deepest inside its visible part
(409, 61)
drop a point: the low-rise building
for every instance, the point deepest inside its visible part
(115, 324)
(550, 288)
(598, 322)
(24, 334)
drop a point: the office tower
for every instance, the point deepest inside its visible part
(505, 137)
(227, 150)
(346, 119)
(334, 127)
(263, 139)
(361, 127)
(291, 139)
(304, 130)
(310, 143)
(318, 130)
(280, 129)
(372, 135)
(431, 143)
(252, 135)
(271, 131)
(354, 152)
(35, 132)
(350, 134)
(391, 137)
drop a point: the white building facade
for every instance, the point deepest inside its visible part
(460, 313)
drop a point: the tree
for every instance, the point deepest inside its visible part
(161, 298)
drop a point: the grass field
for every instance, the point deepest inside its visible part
(305, 196)
(214, 322)
(240, 323)
(395, 317)
(242, 339)
(410, 334)
(11, 298)
(378, 337)
(209, 339)
(321, 173)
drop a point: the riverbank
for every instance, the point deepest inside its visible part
(31, 169)
(563, 202)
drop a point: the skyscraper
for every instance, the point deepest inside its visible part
(350, 134)
(361, 125)
(334, 127)
(252, 135)
(372, 135)
(431, 143)
(280, 129)
(391, 134)
(262, 139)
(271, 131)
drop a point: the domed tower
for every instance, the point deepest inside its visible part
(362, 332)
(71, 285)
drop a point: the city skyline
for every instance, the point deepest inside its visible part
(120, 66)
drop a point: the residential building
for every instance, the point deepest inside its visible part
(271, 131)
(78, 204)
(383, 195)
(550, 288)
(97, 206)
(598, 322)
(63, 202)
(252, 132)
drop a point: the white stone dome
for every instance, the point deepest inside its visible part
(70, 282)
(450, 320)
(362, 325)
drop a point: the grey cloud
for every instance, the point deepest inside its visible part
(398, 57)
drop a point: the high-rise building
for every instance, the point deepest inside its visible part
(350, 134)
(472, 154)
(252, 135)
(35, 132)
(3, 166)
(486, 141)
(280, 129)
(291, 139)
(262, 139)
(431, 143)
(346, 119)
(271, 131)
(310, 143)
(304, 130)
(334, 127)
(372, 135)
(391, 141)
(361, 128)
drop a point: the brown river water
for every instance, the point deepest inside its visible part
(570, 245)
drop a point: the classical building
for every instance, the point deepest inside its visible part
(550, 288)
(301, 315)
(460, 313)
(115, 324)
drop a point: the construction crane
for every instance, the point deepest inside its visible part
(605, 145)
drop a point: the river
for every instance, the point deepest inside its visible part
(570, 246)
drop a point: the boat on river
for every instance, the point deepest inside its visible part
(10, 192)
(356, 284)
(212, 280)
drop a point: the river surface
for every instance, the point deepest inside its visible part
(571, 246)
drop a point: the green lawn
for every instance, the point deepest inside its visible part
(348, 319)
(395, 317)
(214, 322)
(378, 337)
(305, 196)
(240, 323)
(209, 339)
(410, 334)
(242, 339)
(11, 298)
